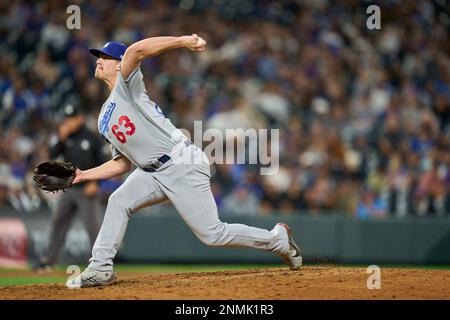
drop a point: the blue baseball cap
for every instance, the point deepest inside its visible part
(113, 49)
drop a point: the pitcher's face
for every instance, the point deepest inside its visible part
(106, 68)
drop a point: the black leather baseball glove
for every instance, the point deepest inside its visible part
(54, 175)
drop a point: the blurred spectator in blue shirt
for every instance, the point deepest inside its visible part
(371, 206)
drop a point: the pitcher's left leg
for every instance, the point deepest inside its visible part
(193, 199)
(139, 190)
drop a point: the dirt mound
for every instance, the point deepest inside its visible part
(324, 282)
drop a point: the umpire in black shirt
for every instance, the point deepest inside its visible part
(77, 144)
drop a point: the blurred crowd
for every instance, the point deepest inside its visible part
(363, 114)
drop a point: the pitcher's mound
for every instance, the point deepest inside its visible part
(311, 282)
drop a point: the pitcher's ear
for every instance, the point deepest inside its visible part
(118, 67)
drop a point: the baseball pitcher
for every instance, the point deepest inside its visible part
(140, 135)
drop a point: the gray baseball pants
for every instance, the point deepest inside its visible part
(187, 186)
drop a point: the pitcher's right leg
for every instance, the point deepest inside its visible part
(139, 190)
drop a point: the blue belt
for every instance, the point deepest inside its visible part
(152, 167)
(155, 165)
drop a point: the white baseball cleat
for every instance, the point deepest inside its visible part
(92, 278)
(294, 257)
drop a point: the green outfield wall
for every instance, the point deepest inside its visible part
(324, 238)
(162, 237)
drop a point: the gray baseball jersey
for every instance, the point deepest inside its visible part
(137, 129)
(134, 125)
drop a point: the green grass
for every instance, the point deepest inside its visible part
(175, 268)
(32, 278)
(23, 281)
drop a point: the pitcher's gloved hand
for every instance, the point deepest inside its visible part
(54, 175)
